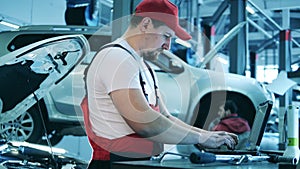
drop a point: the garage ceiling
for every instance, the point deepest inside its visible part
(270, 16)
(262, 35)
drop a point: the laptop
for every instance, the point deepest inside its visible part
(251, 143)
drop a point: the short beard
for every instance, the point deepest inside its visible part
(151, 55)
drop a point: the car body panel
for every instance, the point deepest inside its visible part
(52, 58)
(194, 83)
(16, 154)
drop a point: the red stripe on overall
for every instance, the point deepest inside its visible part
(103, 146)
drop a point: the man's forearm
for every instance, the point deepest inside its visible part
(165, 112)
(165, 130)
(183, 124)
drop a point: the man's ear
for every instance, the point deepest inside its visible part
(146, 23)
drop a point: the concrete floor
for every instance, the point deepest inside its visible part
(77, 146)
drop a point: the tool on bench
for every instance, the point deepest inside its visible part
(203, 158)
(162, 155)
(206, 157)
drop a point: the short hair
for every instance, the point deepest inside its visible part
(135, 20)
(231, 105)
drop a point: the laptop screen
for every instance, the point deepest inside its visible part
(259, 124)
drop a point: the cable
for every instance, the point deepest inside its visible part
(45, 129)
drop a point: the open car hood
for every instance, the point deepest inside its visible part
(14, 154)
(28, 73)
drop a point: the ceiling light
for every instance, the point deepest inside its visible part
(9, 24)
(250, 10)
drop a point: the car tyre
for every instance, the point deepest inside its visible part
(26, 127)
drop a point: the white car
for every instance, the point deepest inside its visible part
(190, 93)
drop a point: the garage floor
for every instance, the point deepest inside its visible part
(77, 146)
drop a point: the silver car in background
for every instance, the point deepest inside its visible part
(190, 93)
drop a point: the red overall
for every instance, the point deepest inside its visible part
(130, 143)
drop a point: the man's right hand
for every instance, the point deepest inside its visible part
(216, 139)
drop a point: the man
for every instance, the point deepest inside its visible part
(229, 120)
(126, 118)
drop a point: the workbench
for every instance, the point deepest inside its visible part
(186, 164)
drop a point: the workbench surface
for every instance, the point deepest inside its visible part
(186, 164)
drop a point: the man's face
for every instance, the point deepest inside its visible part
(156, 41)
(221, 111)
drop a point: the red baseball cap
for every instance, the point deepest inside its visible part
(165, 11)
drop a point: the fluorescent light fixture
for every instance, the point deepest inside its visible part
(183, 43)
(9, 24)
(250, 10)
(39, 147)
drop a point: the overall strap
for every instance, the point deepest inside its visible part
(142, 83)
(154, 81)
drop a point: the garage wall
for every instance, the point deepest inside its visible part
(34, 11)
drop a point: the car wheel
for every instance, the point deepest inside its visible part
(26, 127)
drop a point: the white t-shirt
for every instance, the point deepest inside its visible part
(113, 68)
